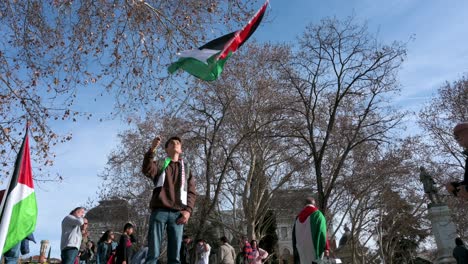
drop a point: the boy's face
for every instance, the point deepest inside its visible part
(130, 231)
(174, 147)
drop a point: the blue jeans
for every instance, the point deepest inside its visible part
(12, 255)
(164, 220)
(69, 255)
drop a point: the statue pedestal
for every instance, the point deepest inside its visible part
(345, 254)
(444, 231)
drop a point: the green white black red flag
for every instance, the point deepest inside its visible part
(207, 62)
(18, 207)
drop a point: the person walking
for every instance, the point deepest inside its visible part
(70, 240)
(247, 251)
(106, 247)
(88, 255)
(227, 254)
(203, 252)
(460, 252)
(310, 234)
(173, 198)
(186, 250)
(258, 254)
(82, 252)
(123, 254)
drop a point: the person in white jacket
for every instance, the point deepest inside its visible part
(258, 254)
(203, 252)
(70, 241)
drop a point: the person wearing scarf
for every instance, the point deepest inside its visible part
(310, 234)
(173, 198)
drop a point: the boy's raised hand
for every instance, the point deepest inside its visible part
(155, 143)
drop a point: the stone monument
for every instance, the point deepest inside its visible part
(43, 251)
(443, 228)
(344, 250)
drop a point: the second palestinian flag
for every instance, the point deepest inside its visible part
(18, 207)
(207, 61)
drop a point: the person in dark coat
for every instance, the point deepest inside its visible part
(106, 247)
(186, 250)
(124, 249)
(460, 252)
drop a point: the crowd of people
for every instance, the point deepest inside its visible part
(78, 249)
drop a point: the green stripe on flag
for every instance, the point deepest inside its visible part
(207, 71)
(318, 227)
(22, 222)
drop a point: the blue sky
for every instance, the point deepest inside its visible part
(438, 53)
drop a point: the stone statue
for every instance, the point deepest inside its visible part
(43, 251)
(346, 236)
(429, 186)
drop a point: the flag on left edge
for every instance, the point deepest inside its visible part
(18, 207)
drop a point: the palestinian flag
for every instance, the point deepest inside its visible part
(309, 235)
(207, 61)
(18, 208)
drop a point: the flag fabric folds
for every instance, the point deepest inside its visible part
(18, 207)
(207, 62)
(309, 235)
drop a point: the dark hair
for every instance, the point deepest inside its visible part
(256, 244)
(309, 200)
(127, 226)
(133, 238)
(105, 236)
(76, 209)
(458, 241)
(170, 139)
(200, 240)
(185, 237)
(224, 239)
(93, 247)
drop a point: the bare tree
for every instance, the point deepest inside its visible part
(50, 50)
(438, 119)
(339, 84)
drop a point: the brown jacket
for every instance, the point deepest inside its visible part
(168, 196)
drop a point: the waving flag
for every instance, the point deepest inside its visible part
(18, 208)
(207, 61)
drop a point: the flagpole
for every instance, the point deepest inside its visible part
(4, 197)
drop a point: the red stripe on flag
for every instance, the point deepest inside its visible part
(25, 176)
(306, 212)
(242, 35)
